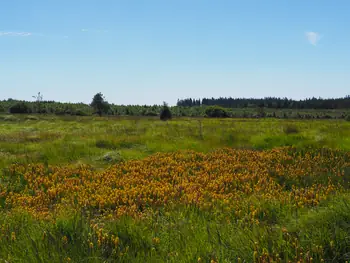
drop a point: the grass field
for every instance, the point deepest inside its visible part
(84, 189)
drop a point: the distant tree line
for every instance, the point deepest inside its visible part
(214, 108)
(269, 102)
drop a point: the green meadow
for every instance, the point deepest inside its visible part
(180, 232)
(107, 140)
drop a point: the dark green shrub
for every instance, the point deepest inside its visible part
(347, 118)
(20, 107)
(80, 113)
(104, 144)
(165, 114)
(290, 129)
(216, 112)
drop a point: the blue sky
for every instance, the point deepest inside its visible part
(147, 52)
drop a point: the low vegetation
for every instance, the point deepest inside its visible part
(114, 189)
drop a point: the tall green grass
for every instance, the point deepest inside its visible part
(87, 139)
(186, 234)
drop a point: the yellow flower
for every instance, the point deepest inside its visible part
(64, 240)
(116, 241)
(156, 240)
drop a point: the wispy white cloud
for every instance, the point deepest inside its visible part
(313, 37)
(15, 34)
(31, 34)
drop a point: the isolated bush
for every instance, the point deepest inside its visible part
(290, 129)
(20, 107)
(165, 114)
(216, 112)
(99, 104)
(347, 118)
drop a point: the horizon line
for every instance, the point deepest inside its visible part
(201, 99)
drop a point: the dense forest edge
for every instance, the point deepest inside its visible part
(311, 108)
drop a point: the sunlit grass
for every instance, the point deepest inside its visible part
(86, 139)
(187, 190)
